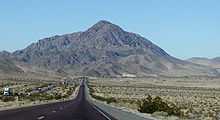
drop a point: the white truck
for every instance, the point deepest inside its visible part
(7, 91)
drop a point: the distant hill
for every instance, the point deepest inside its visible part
(213, 63)
(10, 69)
(7, 65)
(105, 49)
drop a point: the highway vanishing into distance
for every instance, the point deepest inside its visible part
(77, 109)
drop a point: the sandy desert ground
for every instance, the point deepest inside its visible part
(198, 97)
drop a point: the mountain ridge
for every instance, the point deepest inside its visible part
(210, 62)
(105, 49)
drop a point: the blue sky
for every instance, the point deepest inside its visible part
(184, 28)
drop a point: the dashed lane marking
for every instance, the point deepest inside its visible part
(41, 118)
(54, 111)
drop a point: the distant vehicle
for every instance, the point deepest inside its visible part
(7, 92)
(65, 82)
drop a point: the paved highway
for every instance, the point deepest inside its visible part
(76, 109)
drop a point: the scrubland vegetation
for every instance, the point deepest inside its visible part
(186, 98)
(29, 93)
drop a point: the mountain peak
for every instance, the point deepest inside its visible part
(103, 22)
(104, 25)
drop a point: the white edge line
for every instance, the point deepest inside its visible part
(95, 107)
(41, 117)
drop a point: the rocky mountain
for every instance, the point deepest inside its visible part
(6, 63)
(10, 69)
(213, 63)
(106, 49)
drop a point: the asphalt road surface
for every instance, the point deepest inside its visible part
(76, 109)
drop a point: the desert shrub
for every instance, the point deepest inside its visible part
(33, 97)
(98, 97)
(21, 96)
(28, 90)
(91, 90)
(147, 106)
(48, 97)
(65, 96)
(150, 105)
(58, 96)
(108, 100)
(174, 110)
(38, 96)
(7, 98)
(70, 91)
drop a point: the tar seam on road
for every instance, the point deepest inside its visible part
(101, 112)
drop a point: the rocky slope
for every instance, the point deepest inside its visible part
(213, 63)
(6, 64)
(10, 69)
(106, 49)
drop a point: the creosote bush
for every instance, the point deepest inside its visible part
(7, 98)
(151, 105)
(108, 100)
